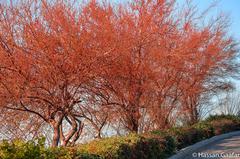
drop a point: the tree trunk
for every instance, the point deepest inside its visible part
(56, 135)
(56, 124)
(133, 123)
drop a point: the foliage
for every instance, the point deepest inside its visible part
(131, 147)
(18, 149)
(223, 123)
(186, 136)
(223, 116)
(99, 64)
(213, 125)
(153, 145)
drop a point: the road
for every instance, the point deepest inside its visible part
(225, 149)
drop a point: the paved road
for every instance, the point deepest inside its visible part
(225, 149)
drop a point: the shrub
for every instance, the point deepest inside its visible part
(147, 146)
(154, 145)
(205, 128)
(224, 126)
(214, 125)
(223, 123)
(222, 116)
(184, 136)
(66, 153)
(19, 149)
(108, 147)
(58, 153)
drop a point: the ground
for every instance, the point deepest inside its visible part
(225, 149)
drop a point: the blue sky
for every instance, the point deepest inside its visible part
(229, 7)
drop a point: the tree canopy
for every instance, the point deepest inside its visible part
(137, 67)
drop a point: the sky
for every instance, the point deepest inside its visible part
(228, 7)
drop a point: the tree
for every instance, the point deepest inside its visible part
(46, 64)
(140, 65)
(229, 103)
(169, 64)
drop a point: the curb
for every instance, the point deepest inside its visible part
(193, 148)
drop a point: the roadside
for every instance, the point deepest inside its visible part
(223, 146)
